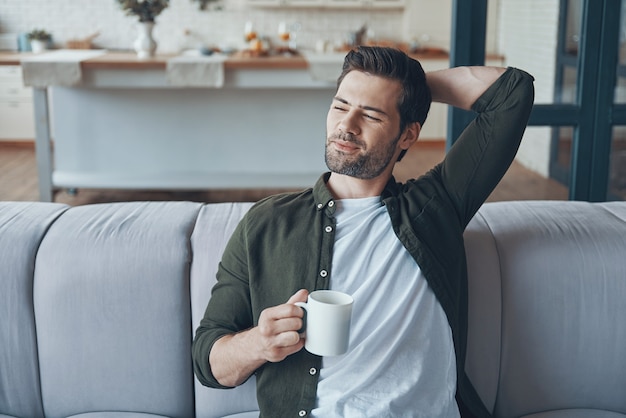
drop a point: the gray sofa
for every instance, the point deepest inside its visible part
(98, 305)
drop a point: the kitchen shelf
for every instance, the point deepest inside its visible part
(330, 4)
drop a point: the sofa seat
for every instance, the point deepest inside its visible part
(576, 413)
(116, 414)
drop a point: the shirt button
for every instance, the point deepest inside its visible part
(302, 413)
(328, 229)
(331, 204)
(312, 371)
(320, 205)
(323, 273)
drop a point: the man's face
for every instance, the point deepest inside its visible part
(363, 126)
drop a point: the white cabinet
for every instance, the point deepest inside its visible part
(354, 4)
(383, 4)
(286, 3)
(263, 3)
(16, 105)
(366, 4)
(344, 3)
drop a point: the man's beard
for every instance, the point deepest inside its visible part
(364, 166)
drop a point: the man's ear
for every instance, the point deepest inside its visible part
(410, 135)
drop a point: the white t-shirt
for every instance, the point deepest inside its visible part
(401, 360)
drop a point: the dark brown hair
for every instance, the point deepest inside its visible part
(415, 100)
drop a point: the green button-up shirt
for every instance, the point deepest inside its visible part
(285, 243)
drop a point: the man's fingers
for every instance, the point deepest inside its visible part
(278, 328)
(300, 296)
(271, 327)
(287, 339)
(284, 345)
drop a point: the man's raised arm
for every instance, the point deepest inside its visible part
(461, 86)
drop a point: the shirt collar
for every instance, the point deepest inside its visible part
(324, 198)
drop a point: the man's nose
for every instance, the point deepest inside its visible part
(349, 123)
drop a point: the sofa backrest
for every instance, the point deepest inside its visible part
(111, 301)
(96, 307)
(22, 227)
(215, 225)
(547, 289)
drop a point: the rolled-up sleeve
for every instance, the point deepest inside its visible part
(228, 310)
(484, 151)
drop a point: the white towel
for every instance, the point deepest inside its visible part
(56, 68)
(325, 67)
(195, 70)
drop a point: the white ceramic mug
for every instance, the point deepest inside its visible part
(327, 323)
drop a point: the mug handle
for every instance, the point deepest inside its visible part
(304, 307)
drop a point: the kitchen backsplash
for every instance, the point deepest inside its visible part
(182, 25)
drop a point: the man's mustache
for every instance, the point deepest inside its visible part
(347, 137)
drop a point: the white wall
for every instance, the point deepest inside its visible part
(528, 35)
(427, 21)
(435, 28)
(68, 19)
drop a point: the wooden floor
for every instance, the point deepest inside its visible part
(18, 181)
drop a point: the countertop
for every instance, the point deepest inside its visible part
(12, 58)
(128, 60)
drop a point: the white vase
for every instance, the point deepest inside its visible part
(144, 44)
(38, 46)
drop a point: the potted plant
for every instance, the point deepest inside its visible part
(39, 40)
(147, 11)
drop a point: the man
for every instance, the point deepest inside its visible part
(396, 248)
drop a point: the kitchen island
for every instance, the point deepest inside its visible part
(127, 125)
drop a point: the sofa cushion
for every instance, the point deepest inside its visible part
(116, 414)
(563, 284)
(576, 413)
(112, 303)
(214, 227)
(484, 319)
(22, 227)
